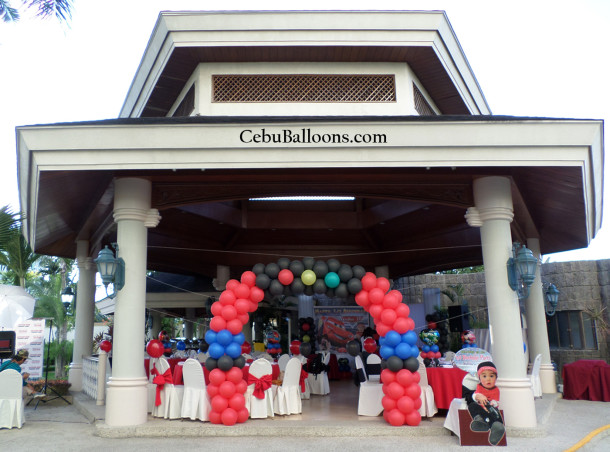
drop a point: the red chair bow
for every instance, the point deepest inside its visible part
(302, 379)
(160, 381)
(260, 385)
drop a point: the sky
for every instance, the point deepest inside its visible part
(531, 58)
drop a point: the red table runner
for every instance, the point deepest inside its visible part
(586, 379)
(446, 383)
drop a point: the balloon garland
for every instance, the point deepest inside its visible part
(231, 312)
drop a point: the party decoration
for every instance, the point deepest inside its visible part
(370, 345)
(106, 346)
(469, 339)
(155, 348)
(468, 359)
(295, 347)
(429, 337)
(308, 277)
(353, 347)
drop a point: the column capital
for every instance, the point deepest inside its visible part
(476, 216)
(85, 263)
(150, 217)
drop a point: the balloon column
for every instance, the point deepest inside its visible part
(273, 343)
(430, 348)
(439, 321)
(307, 331)
(469, 340)
(295, 347)
(400, 384)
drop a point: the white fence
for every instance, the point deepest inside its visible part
(94, 377)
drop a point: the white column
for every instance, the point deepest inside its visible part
(189, 320)
(156, 325)
(493, 213)
(126, 402)
(537, 333)
(85, 312)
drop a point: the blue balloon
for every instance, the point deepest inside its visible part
(224, 337)
(434, 348)
(216, 350)
(386, 351)
(381, 340)
(239, 338)
(414, 351)
(425, 348)
(403, 350)
(410, 337)
(210, 336)
(233, 350)
(392, 338)
(277, 345)
(181, 345)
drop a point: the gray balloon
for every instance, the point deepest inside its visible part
(283, 262)
(211, 364)
(411, 364)
(258, 269)
(240, 362)
(308, 262)
(319, 287)
(320, 269)
(297, 268)
(353, 348)
(305, 348)
(262, 281)
(341, 291)
(297, 287)
(225, 362)
(354, 286)
(333, 265)
(358, 271)
(345, 273)
(308, 290)
(394, 363)
(272, 270)
(276, 287)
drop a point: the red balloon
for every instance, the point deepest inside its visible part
(405, 404)
(212, 391)
(216, 308)
(396, 418)
(235, 375)
(227, 298)
(432, 325)
(243, 318)
(229, 416)
(390, 300)
(243, 415)
(413, 418)
(416, 377)
(395, 390)
(370, 345)
(253, 307)
(383, 284)
(376, 296)
(369, 281)
(404, 377)
(411, 324)
(217, 377)
(375, 310)
(413, 391)
(305, 327)
(242, 305)
(388, 316)
(401, 325)
(362, 299)
(241, 387)
(387, 376)
(402, 310)
(257, 294)
(227, 389)
(229, 313)
(246, 348)
(248, 278)
(437, 355)
(155, 348)
(295, 347)
(383, 329)
(388, 403)
(417, 403)
(232, 284)
(234, 326)
(242, 291)
(106, 346)
(218, 323)
(215, 417)
(219, 403)
(237, 401)
(285, 277)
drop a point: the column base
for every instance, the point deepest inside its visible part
(126, 401)
(75, 376)
(517, 401)
(548, 379)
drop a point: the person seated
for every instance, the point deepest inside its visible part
(15, 363)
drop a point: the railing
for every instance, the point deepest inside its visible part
(94, 377)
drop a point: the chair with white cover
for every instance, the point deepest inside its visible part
(288, 397)
(428, 406)
(11, 399)
(373, 367)
(535, 376)
(168, 400)
(307, 393)
(282, 361)
(371, 393)
(195, 401)
(452, 421)
(259, 395)
(319, 382)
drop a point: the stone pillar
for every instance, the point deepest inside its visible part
(127, 393)
(493, 213)
(155, 329)
(85, 313)
(189, 321)
(222, 277)
(537, 333)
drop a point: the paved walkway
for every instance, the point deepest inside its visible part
(61, 427)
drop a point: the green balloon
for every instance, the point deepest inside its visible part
(308, 277)
(306, 338)
(332, 280)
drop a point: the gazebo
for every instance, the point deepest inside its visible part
(376, 117)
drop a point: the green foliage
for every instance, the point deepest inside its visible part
(60, 9)
(64, 349)
(460, 271)
(455, 293)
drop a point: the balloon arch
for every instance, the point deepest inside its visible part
(400, 378)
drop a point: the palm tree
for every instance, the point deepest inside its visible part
(16, 255)
(60, 9)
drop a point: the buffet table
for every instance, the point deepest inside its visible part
(446, 382)
(586, 379)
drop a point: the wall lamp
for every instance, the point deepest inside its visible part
(111, 269)
(521, 269)
(67, 297)
(552, 298)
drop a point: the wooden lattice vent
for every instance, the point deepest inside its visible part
(304, 88)
(421, 104)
